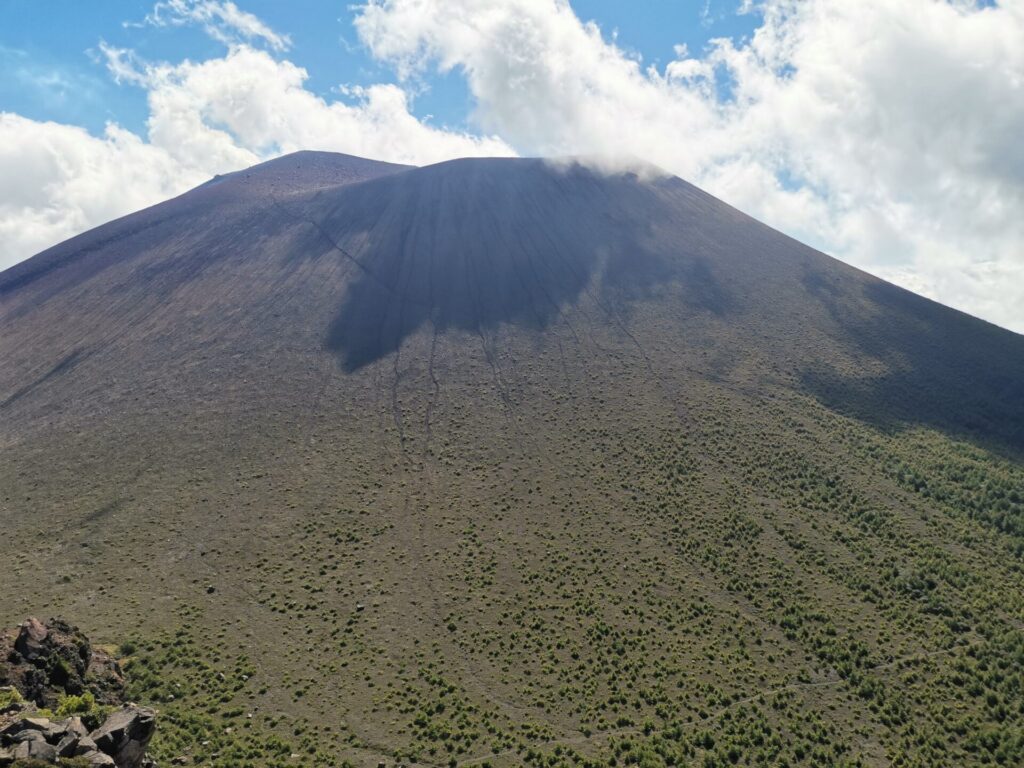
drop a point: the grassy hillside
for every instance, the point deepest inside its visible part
(492, 463)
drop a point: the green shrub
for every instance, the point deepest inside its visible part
(9, 697)
(84, 706)
(76, 705)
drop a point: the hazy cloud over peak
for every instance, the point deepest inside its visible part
(885, 133)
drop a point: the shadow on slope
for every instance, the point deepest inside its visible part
(65, 364)
(947, 370)
(203, 213)
(471, 244)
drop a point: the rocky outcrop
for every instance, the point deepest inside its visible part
(40, 667)
(125, 735)
(47, 661)
(120, 741)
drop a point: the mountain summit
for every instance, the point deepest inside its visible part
(514, 460)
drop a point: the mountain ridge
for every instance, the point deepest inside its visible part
(523, 238)
(494, 456)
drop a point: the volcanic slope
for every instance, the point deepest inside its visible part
(512, 462)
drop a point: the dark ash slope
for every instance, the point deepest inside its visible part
(564, 436)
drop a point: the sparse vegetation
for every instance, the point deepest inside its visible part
(730, 514)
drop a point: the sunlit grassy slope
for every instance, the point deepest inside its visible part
(501, 462)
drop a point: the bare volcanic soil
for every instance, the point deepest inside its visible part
(510, 461)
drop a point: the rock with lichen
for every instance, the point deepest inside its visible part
(47, 661)
(42, 666)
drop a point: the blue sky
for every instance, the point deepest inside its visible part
(55, 71)
(883, 132)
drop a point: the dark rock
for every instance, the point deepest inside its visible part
(24, 737)
(29, 729)
(25, 724)
(75, 726)
(35, 750)
(85, 746)
(104, 678)
(66, 747)
(98, 759)
(125, 735)
(46, 661)
(31, 638)
(20, 751)
(40, 750)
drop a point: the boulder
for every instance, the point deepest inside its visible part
(98, 759)
(121, 741)
(68, 745)
(35, 750)
(23, 737)
(85, 746)
(31, 639)
(125, 735)
(27, 724)
(104, 677)
(46, 661)
(75, 725)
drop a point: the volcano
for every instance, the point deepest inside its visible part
(514, 461)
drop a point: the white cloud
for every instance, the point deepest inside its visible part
(223, 21)
(205, 118)
(248, 104)
(58, 180)
(886, 133)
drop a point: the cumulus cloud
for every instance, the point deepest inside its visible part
(885, 133)
(58, 180)
(205, 118)
(248, 104)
